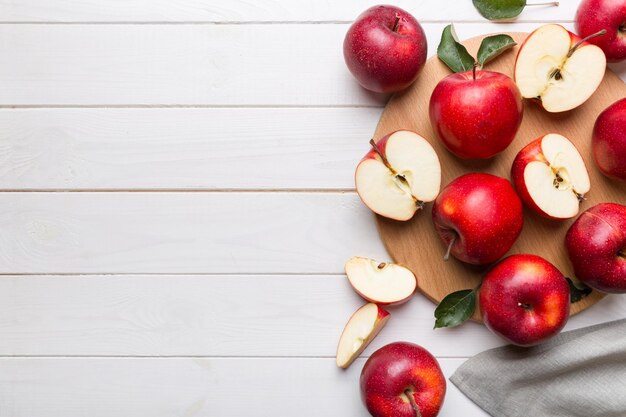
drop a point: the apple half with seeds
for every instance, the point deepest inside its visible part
(399, 175)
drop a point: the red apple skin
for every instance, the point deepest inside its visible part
(531, 152)
(380, 59)
(594, 15)
(482, 213)
(609, 141)
(596, 245)
(396, 368)
(476, 118)
(525, 299)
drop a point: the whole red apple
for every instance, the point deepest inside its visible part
(596, 244)
(478, 217)
(385, 48)
(609, 141)
(594, 15)
(402, 380)
(476, 115)
(525, 299)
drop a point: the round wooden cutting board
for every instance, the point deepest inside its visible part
(415, 243)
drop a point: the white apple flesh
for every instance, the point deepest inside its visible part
(558, 68)
(380, 282)
(360, 330)
(399, 175)
(551, 177)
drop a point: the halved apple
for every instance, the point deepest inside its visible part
(558, 68)
(380, 282)
(399, 175)
(360, 330)
(551, 177)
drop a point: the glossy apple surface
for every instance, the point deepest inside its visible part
(402, 380)
(525, 299)
(385, 48)
(478, 217)
(594, 15)
(476, 117)
(609, 141)
(596, 244)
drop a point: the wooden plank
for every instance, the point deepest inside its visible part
(183, 232)
(208, 387)
(200, 315)
(212, 65)
(218, 148)
(243, 11)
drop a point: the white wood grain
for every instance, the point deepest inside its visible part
(246, 11)
(214, 65)
(226, 316)
(223, 148)
(183, 232)
(207, 387)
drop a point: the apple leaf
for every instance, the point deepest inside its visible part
(499, 9)
(493, 46)
(577, 293)
(453, 53)
(455, 308)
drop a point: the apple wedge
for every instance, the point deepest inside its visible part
(360, 330)
(380, 282)
(558, 68)
(551, 177)
(399, 175)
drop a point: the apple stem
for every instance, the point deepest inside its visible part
(474, 70)
(585, 39)
(446, 257)
(377, 150)
(409, 394)
(525, 306)
(395, 23)
(548, 3)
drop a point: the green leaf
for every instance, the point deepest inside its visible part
(577, 293)
(455, 308)
(493, 46)
(499, 9)
(452, 53)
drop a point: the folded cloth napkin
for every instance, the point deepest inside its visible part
(581, 373)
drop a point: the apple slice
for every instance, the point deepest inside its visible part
(399, 175)
(360, 330)
(558, 68)
(380, 282)
(551, 177)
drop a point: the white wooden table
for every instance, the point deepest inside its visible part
(177, 203)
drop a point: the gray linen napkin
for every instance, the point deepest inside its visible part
(581, 373)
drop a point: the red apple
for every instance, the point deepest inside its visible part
(402, 380)
(551, 177)
(558, 69)
(594, 15)
(609, 141)
(525, 299)
(398, 175)
(385, 48)
(596, 244)
(478, 217)
(476, 116)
